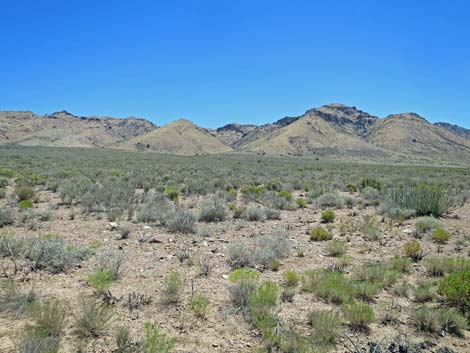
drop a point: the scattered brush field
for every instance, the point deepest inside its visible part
(127, 252)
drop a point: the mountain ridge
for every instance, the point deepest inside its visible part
(334, 129)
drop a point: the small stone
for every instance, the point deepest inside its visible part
(157, 239)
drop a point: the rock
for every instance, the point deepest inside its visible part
(445, 350)
(113, 225)
(157, 239)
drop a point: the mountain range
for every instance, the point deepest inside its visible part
(333, 130)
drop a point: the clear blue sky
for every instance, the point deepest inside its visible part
(247, 61)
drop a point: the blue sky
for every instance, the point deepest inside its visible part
(247, 61)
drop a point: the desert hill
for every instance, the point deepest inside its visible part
(332, 130)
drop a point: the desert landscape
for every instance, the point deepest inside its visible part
(203, 176)
(107, 250)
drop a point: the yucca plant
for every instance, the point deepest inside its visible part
(425, 199)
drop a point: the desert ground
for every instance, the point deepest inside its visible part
(112, 251)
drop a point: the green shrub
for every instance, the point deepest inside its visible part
(372, 183)
(301, 202)
(199, 304)
(24, 204)
(441, 265)
(213, 210)
(252, 192)
(172, 192)
(327, 327)
(359, 315)
(437, 320)
(400, 264)
(320, 234)
(244, 274)
(365, 291)
(376, 273)
(328, 216)
(331, 286)
(107, 271)
(440, 236)
(172, 286)
(285, 194)
(455, 290)
(261, 304)
(291, 277)
(336, 248)
(351, 188)
(413, 250)
(425, 292)
(101, 280)
(94, 318)
(23, 193)
(156, 341)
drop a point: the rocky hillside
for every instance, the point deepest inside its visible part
(334, 130)
(178, 137)
(63, 129)
(457, 130)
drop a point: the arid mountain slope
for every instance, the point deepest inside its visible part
(334, 130)
(63, 129)
(455, 129)
(178, 137)
(412, 134)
